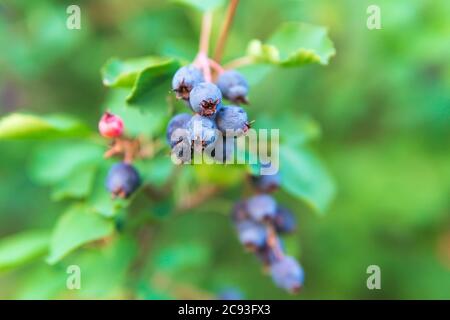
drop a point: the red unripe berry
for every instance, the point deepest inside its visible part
(110, 125)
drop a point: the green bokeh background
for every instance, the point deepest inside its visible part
(383, 106)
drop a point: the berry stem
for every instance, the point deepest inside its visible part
(216, 66)
(239, 62)
(193, 200)
(202, 60)
(273, 242)
(225, 29)
(205, 33)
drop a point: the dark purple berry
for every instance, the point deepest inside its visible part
(284, 220)
(223, 149)
(252, 235)
(232, 121)
(122, 180)
(266, 183)
(287, 274)
(205, 98)
(176, 129)
(233, 85)
(185, 79)
(261, 207)
(202, 131)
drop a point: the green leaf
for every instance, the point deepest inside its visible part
(181, 256)
(294, 44)
(304, 176)
(104, 270)
(74, 228)
(295, 130)
(117, 73)
(156, 171)
(23, 247)
(53, 163)
(141, 75)
(27, 126)
(149, 119)
(150, 77)
(201, 5)
(42, 283)
(77, 185)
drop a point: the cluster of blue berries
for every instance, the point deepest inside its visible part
(259, 221)
(212, 122)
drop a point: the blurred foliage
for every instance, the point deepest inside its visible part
(378, 116)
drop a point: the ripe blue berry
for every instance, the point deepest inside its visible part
(252, 235)
(261, 207)
(223, 149)
(202, 131)
(232, 120)
(284, 220)
(287, 274)
(176, 129)
(182, 151)
(122, 180)
(266, 183)
(185, 79)
(204, 98)
(233, 85)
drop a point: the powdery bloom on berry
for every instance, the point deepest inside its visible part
(287, 274)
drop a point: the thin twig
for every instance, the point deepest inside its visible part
(273, 241)
(205, 33)
(216, 66)
(224, 31)
(201, 61)
(200, 196)
(239, 62)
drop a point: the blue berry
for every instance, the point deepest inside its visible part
(185, 79)
(122, 180)
(261, 207)
(252, 235)
(266, 183)
(182, 151)
(176, 129)
(223, 149)
(202, 131)
(204, 99)
(239, 212)
(233, 85)
(230, 294)
(284, 220)
(232, 120)
(287, 274)
(267, 255)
